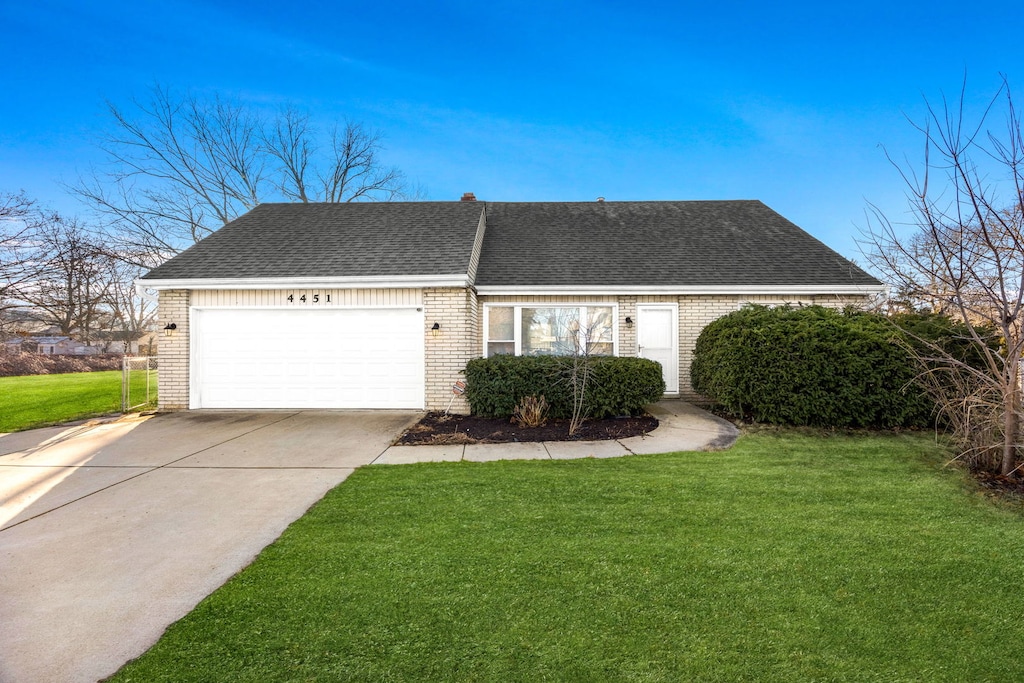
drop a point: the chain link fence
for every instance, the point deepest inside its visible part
(138, 382)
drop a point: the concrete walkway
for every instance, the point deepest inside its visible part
(682, 427)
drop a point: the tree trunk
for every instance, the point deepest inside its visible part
(1011, 424)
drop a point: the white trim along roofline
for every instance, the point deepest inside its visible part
(677, 289)
(462, 280)
(375, 281)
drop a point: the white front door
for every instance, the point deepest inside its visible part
(657, 337)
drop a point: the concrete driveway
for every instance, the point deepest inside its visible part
(111, 532)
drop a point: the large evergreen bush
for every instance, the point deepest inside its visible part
(617, 386)
(933, 335)
(810, 366)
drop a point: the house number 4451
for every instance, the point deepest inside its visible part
(315, 298)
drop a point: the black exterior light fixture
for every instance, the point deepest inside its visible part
(435, 329)
(169, 328)
(629, 321)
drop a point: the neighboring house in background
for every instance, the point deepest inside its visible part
(399, 296)
(50, 346)
(146, 345)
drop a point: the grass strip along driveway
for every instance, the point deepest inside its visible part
(787, 558)
(38, 400)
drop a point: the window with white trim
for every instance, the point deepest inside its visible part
(544, 329)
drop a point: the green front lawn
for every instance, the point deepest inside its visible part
(787, 558)
(38, 400)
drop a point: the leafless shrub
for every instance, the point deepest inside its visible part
(64, 364)
(21, 364)
(965, 258)
(969, 409)
(531, 411)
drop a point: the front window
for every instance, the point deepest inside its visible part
(501, 326)
(550, 330)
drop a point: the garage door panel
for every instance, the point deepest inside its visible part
(276, 358)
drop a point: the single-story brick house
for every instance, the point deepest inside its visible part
(380, 305)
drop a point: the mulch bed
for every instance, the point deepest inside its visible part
(1008, 487)
(438, 428)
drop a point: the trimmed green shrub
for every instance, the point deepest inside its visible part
(950, 336)
(810, 366)
(617, 386)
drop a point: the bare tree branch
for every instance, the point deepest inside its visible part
(20, 220)
(289, 140)
(179, 167)
(70, 288)
(965, 257)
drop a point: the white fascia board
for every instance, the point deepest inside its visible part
(675, 289)
(141, 289)
(377, 282)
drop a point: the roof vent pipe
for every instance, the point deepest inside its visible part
(468, 197)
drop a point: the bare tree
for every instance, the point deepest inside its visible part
(73, 279)
(965, 257)
(18, 220)
(13, 207)
(181, 166)
(579, 341)
(348, 169)
(130, 315)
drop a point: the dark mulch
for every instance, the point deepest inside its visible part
(438, 428)
(1005, 486)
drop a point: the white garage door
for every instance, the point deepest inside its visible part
(327, 358)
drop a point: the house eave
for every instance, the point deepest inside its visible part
(773, 290)
(375, 282)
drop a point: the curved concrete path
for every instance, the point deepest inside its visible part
(682, 427)
(110, 532)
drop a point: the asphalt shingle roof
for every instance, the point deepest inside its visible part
(685, 243)
(528, 244)
(334, 240)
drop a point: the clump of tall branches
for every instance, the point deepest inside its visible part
(181, 166)
(531, 411)
(17, 249)
(583, 338)
(57, 272)
(964, 257)
(954, 373)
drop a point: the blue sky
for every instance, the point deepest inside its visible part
(560, 101)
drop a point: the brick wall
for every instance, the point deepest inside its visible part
(627, 332)
(695, 313)
(456, 310)
(173, 350)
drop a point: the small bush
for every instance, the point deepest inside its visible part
(531, 411)
(810, 366)
(617, 386)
